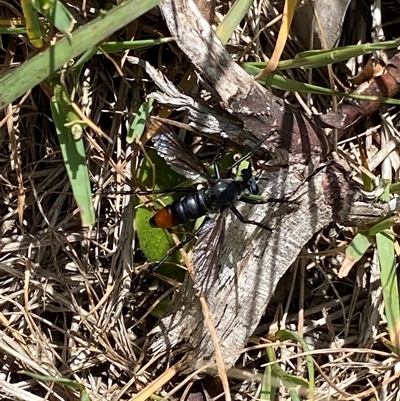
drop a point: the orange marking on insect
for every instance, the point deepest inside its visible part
(163, 219)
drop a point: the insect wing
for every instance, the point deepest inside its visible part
(181, 159)
(207, 252)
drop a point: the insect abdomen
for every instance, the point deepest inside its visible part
(181, 211)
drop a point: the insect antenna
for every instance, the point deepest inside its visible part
(247, 155)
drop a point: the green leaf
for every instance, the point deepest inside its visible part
(395, 187)
(33, 26)
(56, 13)
(390, 289)
(354, 252)
(85, 396)
(358, 246)
(153, 242)
(139, 122)
(385, 197)
(73, 152)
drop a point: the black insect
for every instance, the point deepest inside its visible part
(221, 194)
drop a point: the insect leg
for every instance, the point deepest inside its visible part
(217, 160)
(260, 202)
(216, 169)
(173, 250)
(247, 221)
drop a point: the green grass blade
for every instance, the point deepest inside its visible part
(395, 187)
(322, 58)
(56, 13)
(138, 125)
(279, 82)
(33, 26)
(115, 47)
(11, 30)
(358, 246)
(382, 226)
(293, 395)
(61, 380)
(390, 289)
(288, 380)
(268, 390)
(84, 396)
(84, 58)
(385, 184)
(232, 19)
(290, 335)
(41, 66)
(73, 152)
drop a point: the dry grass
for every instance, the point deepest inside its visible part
(80, 304)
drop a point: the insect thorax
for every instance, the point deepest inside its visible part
(225, 193)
